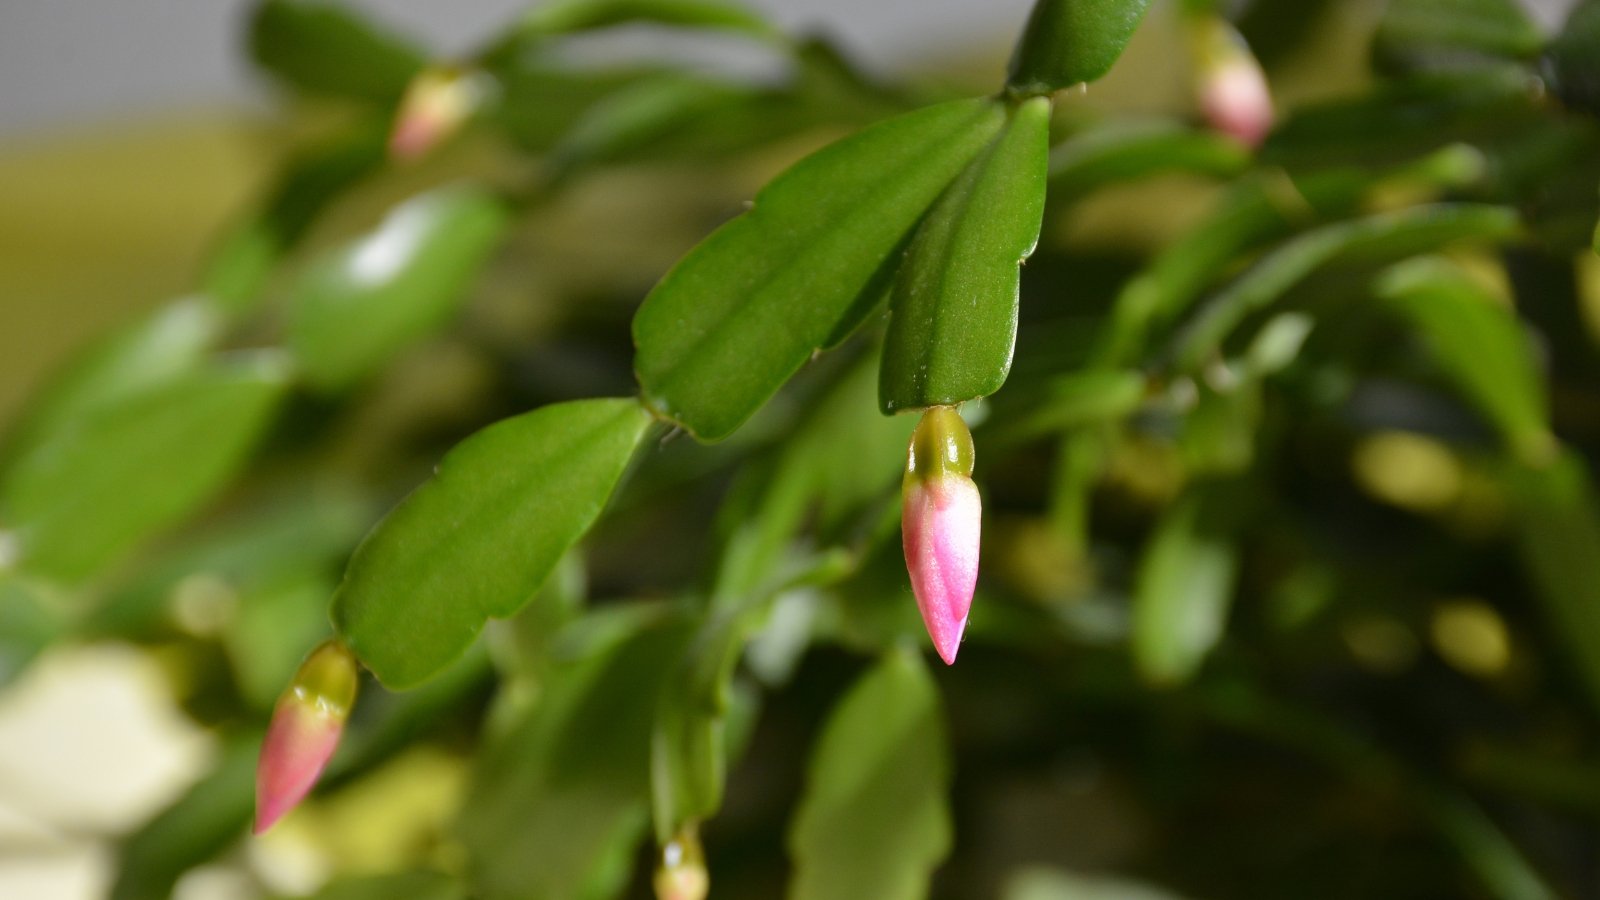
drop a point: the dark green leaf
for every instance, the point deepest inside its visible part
(321, 48)
(749, 306)
(567, 16)
(1480, 344)
(479, 538)
(1068, 42)
(1394, 234)
(1574, 58)
(1185, 585)
(86, 493)
(953, 313)
(1125, 151)
(1444, 34)
(1558, 534)
(352, 311)
(875, 817)
(745, 309)
(558, 803)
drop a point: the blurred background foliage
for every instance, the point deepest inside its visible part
(1291, 576)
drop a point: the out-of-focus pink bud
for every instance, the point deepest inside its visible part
(436, 104)
(941, 521)
(682, 874)
(305, 730)
(1233, 92)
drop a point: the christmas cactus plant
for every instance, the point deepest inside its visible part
(645, 510)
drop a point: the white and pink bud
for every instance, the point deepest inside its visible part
(1232, 88)
(305, 730)
(437, 103)
(941, 522)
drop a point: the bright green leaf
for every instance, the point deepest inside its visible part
(1055, 884)
(953, 313)
(1444, 34)
(1480, 344)
(323, 48)
(558, 803)
(87, 492)
(1070, 42)
(745, 309)
(480, 537)
(875, 817)
(1184, 586)
(171, 341)
(352, 311)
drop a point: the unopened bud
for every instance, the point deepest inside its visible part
(1233, 92)
(682, 873)
(941, 521)
(435, 106)
(306, 726)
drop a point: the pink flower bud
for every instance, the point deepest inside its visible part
(1233, 92)
(436, 104)
(941, 521)
(682, 874)
(306, 725)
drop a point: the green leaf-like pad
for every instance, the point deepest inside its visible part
(94, 486)
(1185, 586)
(479, 538)
(744, 310)
(953, 316)
(358, 307)
(1070, 42)
(875, 818)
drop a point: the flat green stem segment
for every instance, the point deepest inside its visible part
(1185, 586)
(745, 309)
(875, 818)
(356, 308)
(1070, 42)
(953, 314)
(480, 538)
(122, 469)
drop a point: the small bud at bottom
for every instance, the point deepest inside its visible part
(305, 730)
(682, 874)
